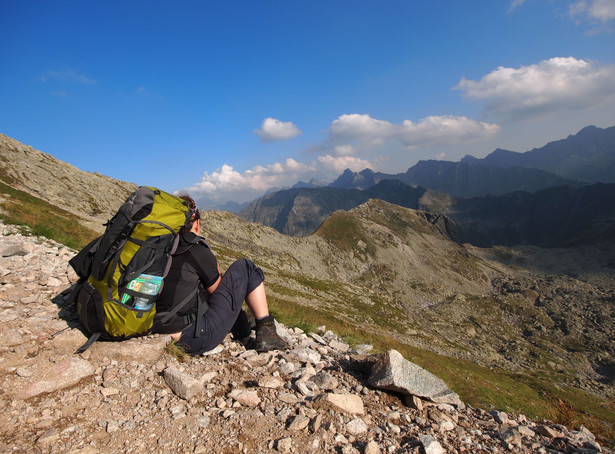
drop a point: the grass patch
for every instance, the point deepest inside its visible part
(343, 230)
(177, 351)
(42, 218)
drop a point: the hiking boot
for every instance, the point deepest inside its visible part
(242, 327)
(267, 338)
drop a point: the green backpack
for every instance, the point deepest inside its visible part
(123, 271)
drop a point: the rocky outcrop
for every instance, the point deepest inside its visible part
(91, 196)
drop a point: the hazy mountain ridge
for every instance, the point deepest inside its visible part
(560, 216)
(587, 156)
(557, 216)
(584, 158)
(484, 197)
(298, 212)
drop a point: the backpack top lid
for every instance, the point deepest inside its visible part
(147, 212)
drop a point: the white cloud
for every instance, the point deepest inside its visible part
(433, 130)
(594, 10)
(273, 129)
(67, 75)
(341, 163)
(549, 86)
(356, 142)
(344, 150)
(355, 126)
(515, 4)
(229, 182)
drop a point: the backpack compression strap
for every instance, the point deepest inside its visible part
(93, 338)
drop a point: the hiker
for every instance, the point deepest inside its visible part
(194, 264)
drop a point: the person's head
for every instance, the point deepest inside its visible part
(195, 214)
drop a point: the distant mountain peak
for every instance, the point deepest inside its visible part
(355, 180)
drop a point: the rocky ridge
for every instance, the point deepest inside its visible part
(319, 395)
(60, 183)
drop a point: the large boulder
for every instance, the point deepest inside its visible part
(394, 373)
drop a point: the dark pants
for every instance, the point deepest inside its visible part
(224, 306)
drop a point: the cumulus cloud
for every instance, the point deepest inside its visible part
(228, 181)
(356, 142)
(552, 85)
(594, 10)
(272, 130)
(430, 131)
(341, 163)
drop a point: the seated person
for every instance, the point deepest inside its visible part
(195, 266)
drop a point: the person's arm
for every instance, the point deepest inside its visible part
(212, 288)
(206, 266)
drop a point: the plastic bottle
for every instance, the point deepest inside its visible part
(149, 288)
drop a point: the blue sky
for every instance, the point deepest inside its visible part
(228, 99)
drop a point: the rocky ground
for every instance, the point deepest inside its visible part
(319, 395)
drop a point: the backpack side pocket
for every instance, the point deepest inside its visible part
(90, 309)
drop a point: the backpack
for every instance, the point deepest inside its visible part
(122, 272)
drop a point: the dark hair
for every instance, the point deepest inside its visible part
(194, 212)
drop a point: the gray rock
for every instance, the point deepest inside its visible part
(348, 403)
(182, 384)
(325, 381)
(394, 373)
(549, 432)
(356, 426)
(14, 250)
(340, 346)
(430, 445)
(318, 339)
(499, 416)
(299, 422)
(52, 377)
(283, 333)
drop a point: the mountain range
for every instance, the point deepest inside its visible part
(503, 198)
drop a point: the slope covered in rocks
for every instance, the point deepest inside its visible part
(91, 196)
(384, 270)
(319, 395)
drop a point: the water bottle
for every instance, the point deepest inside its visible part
(150, 286)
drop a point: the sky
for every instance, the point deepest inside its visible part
(227, 100)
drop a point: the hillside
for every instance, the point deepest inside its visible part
(318, 395)
(537, 323)
(383, 262)
(552, 217)
(299, 212)
(90, 196)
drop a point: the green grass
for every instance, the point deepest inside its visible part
(40, 218)
(343, 230)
